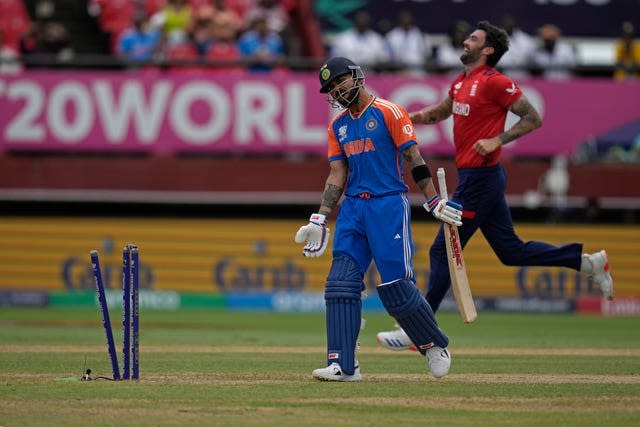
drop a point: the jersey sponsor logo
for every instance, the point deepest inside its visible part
(407, 129)
(358, 146)
(342, 133)
(372, 124)
(511, 89)
(457, 87)
(397, 236)
(461, 109)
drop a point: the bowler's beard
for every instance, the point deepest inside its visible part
(470, 57)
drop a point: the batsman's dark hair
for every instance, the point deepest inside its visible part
(497, 38)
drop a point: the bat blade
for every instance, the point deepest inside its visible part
(457, 269)
(458, 273)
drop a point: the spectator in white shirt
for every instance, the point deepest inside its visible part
(515, 61)
(554, 57)
(448, 54)
(409, 46)
(9, 58)
(361, 44)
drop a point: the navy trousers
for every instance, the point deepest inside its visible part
(481, 192)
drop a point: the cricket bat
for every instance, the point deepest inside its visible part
(457, 269)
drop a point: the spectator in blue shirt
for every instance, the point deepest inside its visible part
(140, 42)
(261, 47)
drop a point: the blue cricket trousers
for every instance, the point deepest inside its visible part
(481, 191)
(377, 228)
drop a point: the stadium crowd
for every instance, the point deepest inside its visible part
(263, 35)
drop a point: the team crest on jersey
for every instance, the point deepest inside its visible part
(372, 124)
(474, 88)
(342, 133)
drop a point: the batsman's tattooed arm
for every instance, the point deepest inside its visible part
(413, 158)
(334, 186)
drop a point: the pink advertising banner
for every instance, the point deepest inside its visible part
(263, 113)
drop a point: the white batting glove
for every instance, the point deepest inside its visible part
(315, 235)
(444, 210)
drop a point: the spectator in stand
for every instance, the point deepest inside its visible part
(140, 42)
(239, 7)
(361, 44)
(448, 54)
(202, 28)
(278, 15)
(14, 22)
(554, 57)
(9, 58)
(515, 62)
(627, 54)
(224, 49)
(261, 47)
(151, 7)
(227, 17)
(114, 16)
(410, 48)
(175, 19)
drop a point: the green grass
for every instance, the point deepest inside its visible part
(221, 368)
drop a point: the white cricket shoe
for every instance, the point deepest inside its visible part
(439, 361)
(334, 372)
(601, 273)
(395, 340)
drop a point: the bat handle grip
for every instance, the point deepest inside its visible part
(442, 183)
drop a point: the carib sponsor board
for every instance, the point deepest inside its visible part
(251, 256)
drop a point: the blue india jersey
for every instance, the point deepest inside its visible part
(372, 144)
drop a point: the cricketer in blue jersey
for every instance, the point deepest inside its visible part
(479, 100)
(368, 145)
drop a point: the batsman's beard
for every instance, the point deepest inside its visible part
(347, 98)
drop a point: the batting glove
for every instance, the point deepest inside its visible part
(315, 235)
(444, 210)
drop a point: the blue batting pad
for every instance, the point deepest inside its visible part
(403, 301)
(344, 311)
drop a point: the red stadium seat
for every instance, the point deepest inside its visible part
(185, 53)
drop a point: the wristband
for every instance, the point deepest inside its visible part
(420, 172)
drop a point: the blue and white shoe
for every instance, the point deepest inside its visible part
(334, 372)
(396, 340)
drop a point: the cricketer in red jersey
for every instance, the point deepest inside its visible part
(479, 100)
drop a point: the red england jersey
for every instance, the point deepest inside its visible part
(481, 102)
